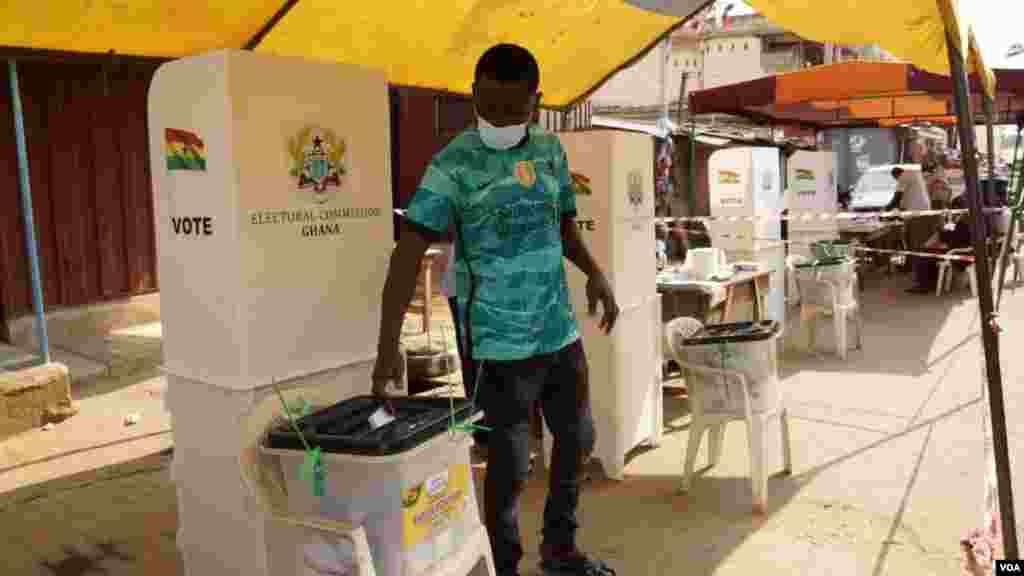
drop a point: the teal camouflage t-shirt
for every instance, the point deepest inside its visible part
(507, 207)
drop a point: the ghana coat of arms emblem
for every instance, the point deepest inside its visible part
(635, 188)
(317, 156)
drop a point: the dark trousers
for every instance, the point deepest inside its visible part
(918, 231)
(559, 382)
(925, 271)
(468, 371)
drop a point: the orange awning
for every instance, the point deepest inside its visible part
(855, 94)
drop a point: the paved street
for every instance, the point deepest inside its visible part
(887, 478)
(116, 520)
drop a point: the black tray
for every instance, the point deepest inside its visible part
(734, 332)
(344, 428)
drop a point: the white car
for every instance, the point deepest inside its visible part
(875, 187)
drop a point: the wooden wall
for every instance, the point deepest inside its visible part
(85, 125)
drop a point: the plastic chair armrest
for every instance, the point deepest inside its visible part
(723, 372)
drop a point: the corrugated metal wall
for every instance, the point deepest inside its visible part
(85, 126)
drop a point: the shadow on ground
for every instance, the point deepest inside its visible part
(704, 529)
(117, 520)
(902, 333)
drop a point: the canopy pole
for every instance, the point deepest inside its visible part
(989, 336)
(26, 213)
(269, 25)
(693, 167)
(1004, 250)
(1015, 188)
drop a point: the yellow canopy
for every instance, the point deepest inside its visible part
(426, 43)
(913, 30)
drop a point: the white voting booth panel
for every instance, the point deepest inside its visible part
(746, 182)
(616, 219)
(272, 197)
(281, 276)
(811, 190)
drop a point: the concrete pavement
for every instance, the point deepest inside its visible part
(888, 462)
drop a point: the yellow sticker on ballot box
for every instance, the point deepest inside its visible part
(430, 507)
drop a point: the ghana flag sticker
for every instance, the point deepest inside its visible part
(185, 150)
(580, 184)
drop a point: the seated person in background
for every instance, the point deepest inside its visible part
(926, 270)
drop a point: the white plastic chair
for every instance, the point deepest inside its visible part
(792, 298)
(841, 302)
(714, 423)
(945, 280)
(1017, 258)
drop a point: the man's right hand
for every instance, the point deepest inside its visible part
(385, 371)
(399, 289)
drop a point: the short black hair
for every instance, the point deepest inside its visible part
(508, 63)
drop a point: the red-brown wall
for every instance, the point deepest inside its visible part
(91, 187)
(86, 135)
(425, 121)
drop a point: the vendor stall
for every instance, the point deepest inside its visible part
(856, 94)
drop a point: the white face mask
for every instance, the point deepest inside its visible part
(500, 137)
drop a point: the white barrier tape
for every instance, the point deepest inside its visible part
(858, 247)
(826, 216)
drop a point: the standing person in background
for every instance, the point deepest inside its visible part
(911, 196)
(939, 190)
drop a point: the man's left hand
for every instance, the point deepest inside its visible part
(598, 290)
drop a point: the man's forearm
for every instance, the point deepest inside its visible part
(399, 289)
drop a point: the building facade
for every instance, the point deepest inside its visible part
(742, 48)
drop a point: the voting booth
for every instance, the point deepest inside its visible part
(613, 177)
(745, 184)
(812, 199)
(273, 207)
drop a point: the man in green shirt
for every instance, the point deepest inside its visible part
(505, 187)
